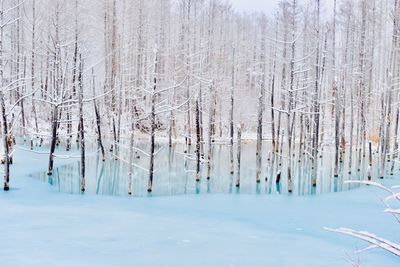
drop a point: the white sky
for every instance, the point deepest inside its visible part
(270, 6)
(267, 6)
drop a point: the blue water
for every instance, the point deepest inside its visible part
(175, 173)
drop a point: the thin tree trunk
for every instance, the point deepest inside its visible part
(239, 151)
(82, 127)
(337, 121)
(336, 94)
(98, 120)
(261, 98)
(210, 129)
(316, 98)
(273, 133)
(130, 173)
(351, 131)
(198, 140)
(290, 118)
(369, 172)
(53, 140)
(172, 122)
(395, 142)
(33, 66)
(5, 127)
(231, 111)
(153, 125)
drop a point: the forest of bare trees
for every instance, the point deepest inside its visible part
(307, 79)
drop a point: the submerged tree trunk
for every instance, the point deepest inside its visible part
(239, 151)
(172, 122)
(336, 94)
(198, 140)
(82, 128)
(291, 100)
(53, 140)
(114, 127)
(210, 129)
(33, 66)
(3, 111)
(386, 135)
(369, 172)
(337, 121)
(153, 125)
(395, 142)
(231, 111)
(5, 141)
(316, 100)
(130, 173)
(259, 132)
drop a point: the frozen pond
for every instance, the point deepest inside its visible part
(175, 174)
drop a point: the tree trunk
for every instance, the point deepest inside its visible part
(369, 173)
(153, 125)
(239, 151)
(5, 141)
(98, 119)
(210, 128)
(53, 140)
(130, 173)
(395, 143)
(231, 111)
(82, 128)
(198, 140)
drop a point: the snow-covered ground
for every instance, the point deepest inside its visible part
(41, 227)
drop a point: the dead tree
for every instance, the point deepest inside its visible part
(391, 76)
(98, 119)
(153, 124)
(395, 142)
(261, 98)
(369, 172)
(82, 126)
(6, 156)
(336, 94)
(130, 173)
(272, 95)
(361, 87)
(316, 98)
(33, 66)
(231, 111)
(57, 87)
(291, 100)
(198, 140)
(74, 81)
(3, 108)
(210, 127)
(239, 151)
(53, 139)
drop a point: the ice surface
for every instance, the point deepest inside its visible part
(42, 227)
